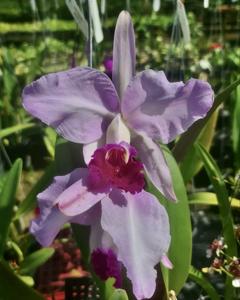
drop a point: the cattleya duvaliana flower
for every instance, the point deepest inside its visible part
(129, 227)
(85, 106)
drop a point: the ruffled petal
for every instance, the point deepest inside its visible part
(155, 165)
(50, 220)
(124, 56)
(79, 103)
(139, 227)
(46, 226)
(163, 109)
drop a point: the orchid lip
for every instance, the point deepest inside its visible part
(115, 166)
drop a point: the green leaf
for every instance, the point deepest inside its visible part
(14, 129)
(35, 260)
(29, 203)
(180, 225)
(119, 294)
(12, 287)
(28, 280)
(8, 74)
(50, 140)
(189, 137)
(199, 278)
(68, 156)
(236, 128)
(206, 198)
(7, 201)
(218, 183)
(192, 163)
(81, 234)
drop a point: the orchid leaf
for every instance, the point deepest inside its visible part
(12, 287)
(192, 163)
(199, 278)
(206, 198)
(28, 280)
(29, 203)
(81, 234)
(7, 200)
(218, 183)
(181, 236)
(188, 138)
(109, 287)
(35, 260)
(236, 127)
(50, 140)
(15, 129)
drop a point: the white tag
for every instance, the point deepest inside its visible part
(156, 5)
(182, 17)
(78, 16)
(205, 3)
(97, 26)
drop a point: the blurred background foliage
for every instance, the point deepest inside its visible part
(40, 36)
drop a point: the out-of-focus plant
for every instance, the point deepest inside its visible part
(17, 262)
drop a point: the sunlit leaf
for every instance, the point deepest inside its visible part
(15, 129)
(50, 140)
(28, 280)
(35, 260)
(206, 198)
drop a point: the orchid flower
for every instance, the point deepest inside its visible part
(129, 226)
(85, 106)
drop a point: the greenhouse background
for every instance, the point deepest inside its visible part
(185, 39)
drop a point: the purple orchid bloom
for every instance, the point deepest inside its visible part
(85, 106)
(129, 226)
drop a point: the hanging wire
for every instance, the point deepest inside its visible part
(89, 41)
